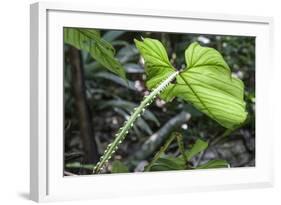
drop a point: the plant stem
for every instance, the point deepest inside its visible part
(181, 146)
(173, 136)
(123, 131)
(160, 152)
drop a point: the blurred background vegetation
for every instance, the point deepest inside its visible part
(110, 101)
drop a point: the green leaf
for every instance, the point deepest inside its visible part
(168, 163)
(157, 64)
(213, 164)
(206, 82)
(78, 165)
(198, 147)
(90, 41)
(119, 167)
(178, 160)
(80, 38)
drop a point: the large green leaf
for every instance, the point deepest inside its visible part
(206, 82)
(157, 64)
(91, 41)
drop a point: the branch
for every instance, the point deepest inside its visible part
(160, 152)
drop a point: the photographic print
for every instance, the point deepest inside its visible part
(145, 101)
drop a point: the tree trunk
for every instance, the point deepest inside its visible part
(82, 109)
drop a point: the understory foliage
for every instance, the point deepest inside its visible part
(155, 97)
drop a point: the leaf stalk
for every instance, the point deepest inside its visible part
(124, 130)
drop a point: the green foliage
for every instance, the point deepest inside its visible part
(168, 163)
(162, 162)
(119, 167)
(157, 64)
(91, 41)
(78, 165)
(112, 100)
(206, 82)
(214, 164)
(198, 147)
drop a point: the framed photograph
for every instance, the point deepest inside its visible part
(132, 102)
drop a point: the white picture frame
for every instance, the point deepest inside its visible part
(46, 133)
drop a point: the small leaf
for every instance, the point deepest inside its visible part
(213, 164)
(198, 147)
(90, 41)
(119, 167)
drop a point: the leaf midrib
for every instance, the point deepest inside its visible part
(197, 96)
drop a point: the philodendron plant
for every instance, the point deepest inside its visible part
(206, 82)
